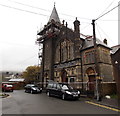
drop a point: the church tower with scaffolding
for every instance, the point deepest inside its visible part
(68, 55)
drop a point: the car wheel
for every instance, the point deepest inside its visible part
(40, 91)
(31, 91)
(25, 91)
(48, 93)
(63, 96)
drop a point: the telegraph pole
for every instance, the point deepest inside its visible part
(95, 48)
(97, 78)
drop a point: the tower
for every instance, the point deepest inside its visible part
(77, 28)
(47, 38)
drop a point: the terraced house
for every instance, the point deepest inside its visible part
(68, 55)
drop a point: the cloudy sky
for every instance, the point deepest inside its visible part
(21, 19)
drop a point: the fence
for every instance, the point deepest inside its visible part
(88, 88)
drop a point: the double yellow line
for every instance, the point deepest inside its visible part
(114, 109)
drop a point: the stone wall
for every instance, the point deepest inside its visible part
(108, 88)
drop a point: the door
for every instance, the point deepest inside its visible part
(53, 89)
(64, 75)
(58, 91)
(91, 82)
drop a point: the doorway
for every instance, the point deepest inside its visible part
(64, 75)
(91, 80)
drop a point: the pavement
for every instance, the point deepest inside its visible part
(3, 95)
(111, 102)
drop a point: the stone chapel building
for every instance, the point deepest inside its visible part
(68, 55)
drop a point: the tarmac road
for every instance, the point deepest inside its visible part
(20, 102)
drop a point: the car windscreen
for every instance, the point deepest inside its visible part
(35, 86)
(31, 85)
(66, 87)
(9, 85)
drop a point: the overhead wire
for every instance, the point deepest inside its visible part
(29, 5)
(26, 59)
(107, 12)
(86, 26)
(107, 8)
(109, 20)
(39, 13)
(22, 62)
(46, 10)
(105, 34)
(99, 32)
(23, 10)
(49, 11)
(17, 44)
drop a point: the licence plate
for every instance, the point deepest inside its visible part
(75, 95)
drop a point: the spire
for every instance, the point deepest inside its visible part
(54, 15)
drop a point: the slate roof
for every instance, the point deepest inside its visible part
(54, 15)
(88, 42)
(115, 49)
(16, 80)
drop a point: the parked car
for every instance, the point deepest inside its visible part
(64, 91)
(31, 88)
(7, 87)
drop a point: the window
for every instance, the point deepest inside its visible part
(58, 86)
(72, 71)
(50, 85)
(54, 85)
(55, 74)
(64, 87)
(65, 51)
(72, 79)
(89, 57)
(8, 86)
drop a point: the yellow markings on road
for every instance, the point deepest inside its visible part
(114, 109)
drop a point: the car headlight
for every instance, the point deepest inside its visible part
(68, 92)
(78, 92)
(34, 88)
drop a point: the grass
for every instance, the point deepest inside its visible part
(4, 95)
(114, 96)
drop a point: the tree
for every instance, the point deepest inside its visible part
(31, 74)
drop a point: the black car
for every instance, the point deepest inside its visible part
(64, 91)
(31, 88)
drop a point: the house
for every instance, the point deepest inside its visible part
(18, 83)
(69, 56)
(115, 55)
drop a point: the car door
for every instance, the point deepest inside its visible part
(53, 89)
(58, 90)
(28, 88)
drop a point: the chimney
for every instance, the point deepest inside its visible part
(77, 28)
(105, 41)
(63, 22)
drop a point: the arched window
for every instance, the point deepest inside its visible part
(67, 52)
(64, 51)
(57, 54)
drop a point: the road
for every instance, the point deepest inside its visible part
(20, 102)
